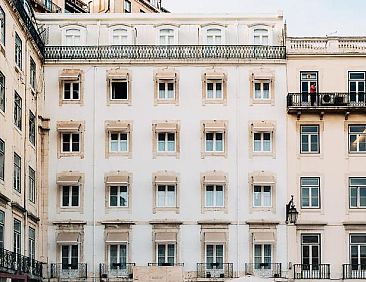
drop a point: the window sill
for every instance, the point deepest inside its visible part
(119, 102)
(166, 102)
(119, 154)
(166, 209)
(214, 154)
(70, 102)
(166, 154)
(263, 102)
(65, 155)
(263, 154)
(71, 209)
(357, 154)
(214, 102)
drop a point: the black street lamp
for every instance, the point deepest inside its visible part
(291, 212)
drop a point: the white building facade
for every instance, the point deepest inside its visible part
(166, 146)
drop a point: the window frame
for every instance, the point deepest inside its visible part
(358, 94)
(32, 73)
(32, 185)
(17, 173)
(119, 264)
(127, 6)
(358, 199)
(310, 187)
(72, 91)
(69, 256)
(118, 195)
(214, 193)
(215, 36)
(18, 114)
(17, 236)
(119, 133)
(262, 198)
(122, 36)
(255, 33)
(70, 197)
(214, 141)
(166, 90)
(70, 142)
(311, 244)
(166, 196)
(32, 128)
(166, 252)
(261, 82)
(166, 142)
(358, 135)
(32, 243)
(262, 151)
(258, 265)
(169, 36)
(2, 159)
(2, 92)
(309, 135)
(2, 229)
(214, 251)
(72, 36)
(215, 83)
(18, 51)
(360, 266)
(2, 27)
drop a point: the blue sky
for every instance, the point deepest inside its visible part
(304, 17)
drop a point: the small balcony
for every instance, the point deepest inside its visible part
(298, 103)
(76, 6)
(311, 271)
(68, 271)
(45, 6)
(354, 271)
(116, 270)
(215, 270)
(265, 270)
(15, 263)
(165, 264)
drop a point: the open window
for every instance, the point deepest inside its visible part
(118, 91)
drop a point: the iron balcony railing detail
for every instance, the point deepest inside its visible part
(354, 271)
(68, 271)
(312, 271)
(171, 52)
(266, 270)
(48, 5)
(13, 262)
(29, 23)
(215, 270)
(165, 264)
(326, 100)
(116, 270)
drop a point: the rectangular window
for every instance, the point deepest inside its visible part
(17, 110)
(166, 254)
(357, 192)
(309, 139)
(214, 196)
(18, 51)
(166, 89)
(17, 241)
(2, 92)
(358, 252)
(32, 243)
(69, 256)
(118, 196)
(71, 90)
(310, 251)
(310, 192)
(118, 256)
(2, 222)
(70, 196)
(166, 196)
(262, 142)
(32, 185)
(2, 159)
(214, 90)
(127, 6)
(32, 75)
(166, 36)
(309, 87)
(118, 142)
(2, 26)
(166, 142)
(262, 256)
(261, 90)
(214, 141)
(357, 138)
(356, 86)
(262, 196)
(17, 173)
(214, 256)
(119, 90)
(32, 128)
(70, 142)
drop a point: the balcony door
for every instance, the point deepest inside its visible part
(69, 257)
(358, 252)
(356, 81)
(262, 256)
(166, 254)
(310, 253)
(308, 84)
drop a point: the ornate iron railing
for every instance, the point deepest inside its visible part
(354, 271)
(215, 270)
(48, 5)
(68, 271)
(266, 270)
(116, 270)
(164, 264)
(326, 100)
(171, 52)
(11, 261)
(312, 271)
(29, 23)
(78, 5)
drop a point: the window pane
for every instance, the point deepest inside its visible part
(358, 181)
(75, 196)
(209, 196)
(219, 196)
(65, 196)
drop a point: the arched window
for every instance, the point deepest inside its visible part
(214, 36)
(119, 36)
(73, 37)
(2, 26)
(166, 36)
(261, 36)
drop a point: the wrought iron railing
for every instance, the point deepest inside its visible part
(215, 270)
(266, 270)
(312, 271)
(354, 271)
(116, 270)
(68, 271)
(21, 264)
(78, 5)
(326, 100)
(165, 264)
(48, 5)
(171, 52)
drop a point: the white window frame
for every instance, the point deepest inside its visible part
(308, 136)
(261, 264)
(32, 128)
(215, 257)
(120, 264)
(127, 6)
(166, 90)
(261, 32)
(111, 81)
(215, 196)
(172, 34)
(214, 140)
(166, 256)
(69, 256)
(32, 185)
(73, 37)
(18, 51)
(32, 243)
(2, 92)
(360, 266)
(358, 187)
(70, 142)
(216, 35)
(2, 26)
(360, 92)
(119, 36)
(359, 135)
(70, 205)
(261, 149)
(119, 193)
(261, 83)
(72, 83)
(166, 197)
(119, 141)
(18, 112)
(17, 177)
(32, 73)
(215, 83)
(166, 142)
(2, 159)
(17, 237)
(310, 193)
(262, 196)
(209, 28)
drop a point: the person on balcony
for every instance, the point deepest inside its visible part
(313, 94)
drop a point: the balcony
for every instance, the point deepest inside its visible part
(116, 270)
(215, 270)
(354, 271)
(311, 271)
(76, 6)
(11, 262)
(68, 271)
(45, 6)
(165, 264)
(265, 270)
(162, 52)
(298, 103)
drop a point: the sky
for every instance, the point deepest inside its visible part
(303, 17)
